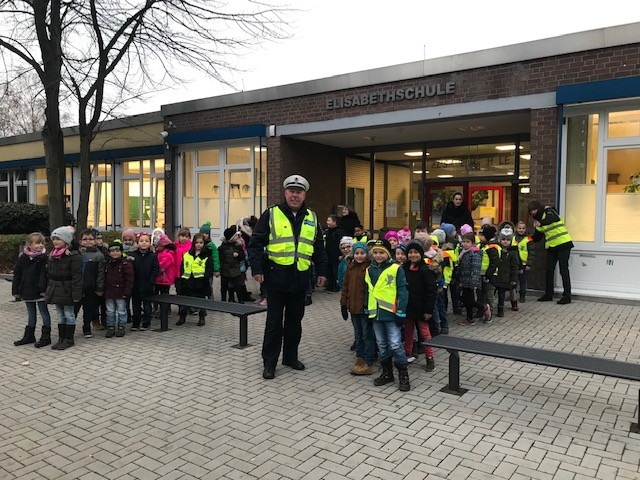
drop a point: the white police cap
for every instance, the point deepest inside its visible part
(296, 181)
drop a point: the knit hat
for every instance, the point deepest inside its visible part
(116, 244)
(402, 246)
(424, 238)
(163, 240)
(63, 233)
(440, 235)
(464, 229)
(347, 240)
(128, 232)
(404, 235)
(391, 234)
(206, 227)
(488, 231)
(382, 245)
(417, 246)
(231, 232)
(485, 221)
(448, 228)
(358, 245)
(506, 233)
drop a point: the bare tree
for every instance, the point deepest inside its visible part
(102, 54)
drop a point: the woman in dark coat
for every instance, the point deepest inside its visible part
(457, 213)
(349, 221)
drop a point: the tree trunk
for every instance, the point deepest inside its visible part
(54, 160)
(85, 180)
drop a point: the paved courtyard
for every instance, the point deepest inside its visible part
(184, 404)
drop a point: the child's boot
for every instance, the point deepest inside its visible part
(120, 332)
(403, 378)
(522, 298)
(201, 319)
(431, 365)
(387, 373)
(183, 317)
(232, 295)
(29, 336)
(111, 332)
(500, 311)
(514, 305)
(68, 337)
(356, 367)
(61, 333)
(45, 338)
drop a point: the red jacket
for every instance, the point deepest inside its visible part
(167, 262)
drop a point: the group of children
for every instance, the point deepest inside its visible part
(111, 284)
(399, 285)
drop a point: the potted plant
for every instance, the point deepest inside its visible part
(634, 187)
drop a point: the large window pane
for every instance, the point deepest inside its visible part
(131, 194)
(582, 167)
(208, 158)
(100, 203)
(624, 124)
(188, 220)
(260, 173)
(41, 193)
(209, 199)
(238, 155)
(158, 201)
(239, 195)
(622, 207)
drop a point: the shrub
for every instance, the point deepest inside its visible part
(25, 218)
(10, 247)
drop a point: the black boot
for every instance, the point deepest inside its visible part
(183, 318)
(223, 295)
(232, 295)
(28, 337)
(201, 319)
(68, 337)
(62, 328)
(111, 332)
(45, 338)
(120, 331)
(403, 378)
(387, 373)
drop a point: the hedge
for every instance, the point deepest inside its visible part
(25, 218)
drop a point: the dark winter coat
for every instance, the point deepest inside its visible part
(119, 277)
(458, 216)
(146, 269)
(230, 265)
(278, 277)
(64, 279)
(354, 288)
(469, 268)
(93, 270)
(507, 274)
(332, 243)
(423, 288)
(30, 277)
(349, 222)
(198, 287)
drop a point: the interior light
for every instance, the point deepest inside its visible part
(526, 156)
(525, 190)
(449, 161)
(420, 171)
(256, 149)
(507, 148)
(523, 177)
(445, 176)
(414, 154)
(509, 173)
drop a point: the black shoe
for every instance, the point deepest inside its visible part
(111, 332)
(545, 298)
(269, 372)
(308, 301)
(564, 301)
(444, 331)
(201, 322)
(353, 347)
(28, 337)
(181, 320)
(431, 365)
(120, 332)
(295, 364)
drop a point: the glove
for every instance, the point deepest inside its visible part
(344, 311)
(400, 319)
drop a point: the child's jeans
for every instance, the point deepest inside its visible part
(365, 339)
(31, 313)
(66, 314)
(424, 334)
(389, 340)
(440, 312)
(116, 306)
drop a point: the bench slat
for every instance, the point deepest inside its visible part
(213, 305)
(551, 358)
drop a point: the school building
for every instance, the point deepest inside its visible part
(557, 120)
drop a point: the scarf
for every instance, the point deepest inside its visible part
(31, 253)
(465, 250)
(58, 252)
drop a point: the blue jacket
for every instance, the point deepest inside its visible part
(342, 269)
(375, 271)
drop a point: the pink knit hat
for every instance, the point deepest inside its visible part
(464, 229)
(128, 232)
(404, 235)
(391, 234)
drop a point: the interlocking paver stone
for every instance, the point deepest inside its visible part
(184, 404)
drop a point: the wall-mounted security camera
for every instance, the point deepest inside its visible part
(164, 134)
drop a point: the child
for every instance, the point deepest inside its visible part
(346, 248)
(489, 268)
(352, 299)
(195, 272)
(183, 245)
(155, 236)
(469, 264)
(507, 274)
(332, 236)
(421, 227)
(526, 254)
(29, 284)
(205, 230)
(360, 234)
(404, 235)
(387, 298)
(128, 241)
(119, 277)
(401, 254)
(145, 268)
(93, 277)
(422, 289)
(232, 258)
(438, 323)
(392, 237)
(166, 252)
(64, 284)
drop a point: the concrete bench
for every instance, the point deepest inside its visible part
(539, 356)
(240, 310)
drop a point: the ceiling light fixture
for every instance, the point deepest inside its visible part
(526, 156)
(525, 190)
(420, 171)
(449, 161)
(414, 154)
(445, 176)
(507, 148)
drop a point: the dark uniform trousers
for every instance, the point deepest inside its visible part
(277, 332)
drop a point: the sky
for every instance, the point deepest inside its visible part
(332, 37)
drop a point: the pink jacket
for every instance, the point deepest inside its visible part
(167, 261)
(181, 249)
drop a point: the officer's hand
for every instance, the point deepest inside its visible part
(344, 311)
(427, 316)
(216, 274)
(259, 278)
(321, 281)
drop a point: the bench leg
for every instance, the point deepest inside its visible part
(244, 332)
(164, 318)
(635, 427)
(454, 375)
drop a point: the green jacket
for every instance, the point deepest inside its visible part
(214, 256)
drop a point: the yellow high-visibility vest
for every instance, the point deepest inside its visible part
(523, 248)
(193, 266)
(282, 248)
(555, 234)
(485, 256)
(384, 294)
(447, 271)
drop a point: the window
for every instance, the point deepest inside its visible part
(622, 209)
(42, 195)
(143, 193)
(624, 124)
(101, 197)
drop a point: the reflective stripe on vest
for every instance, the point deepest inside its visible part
(282, 248)
(485, 256)
(384, 293)
(523, 249)
(193, 266)
(555, 234)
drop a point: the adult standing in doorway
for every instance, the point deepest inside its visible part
(285, 241)
(558, 244)
(349, 221)
(456, 212)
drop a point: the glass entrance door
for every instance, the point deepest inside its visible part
(437, 195)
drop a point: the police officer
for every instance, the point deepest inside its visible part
(558, 244)
(284, 243)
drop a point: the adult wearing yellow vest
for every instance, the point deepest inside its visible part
(558, 244)
(285, 242)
